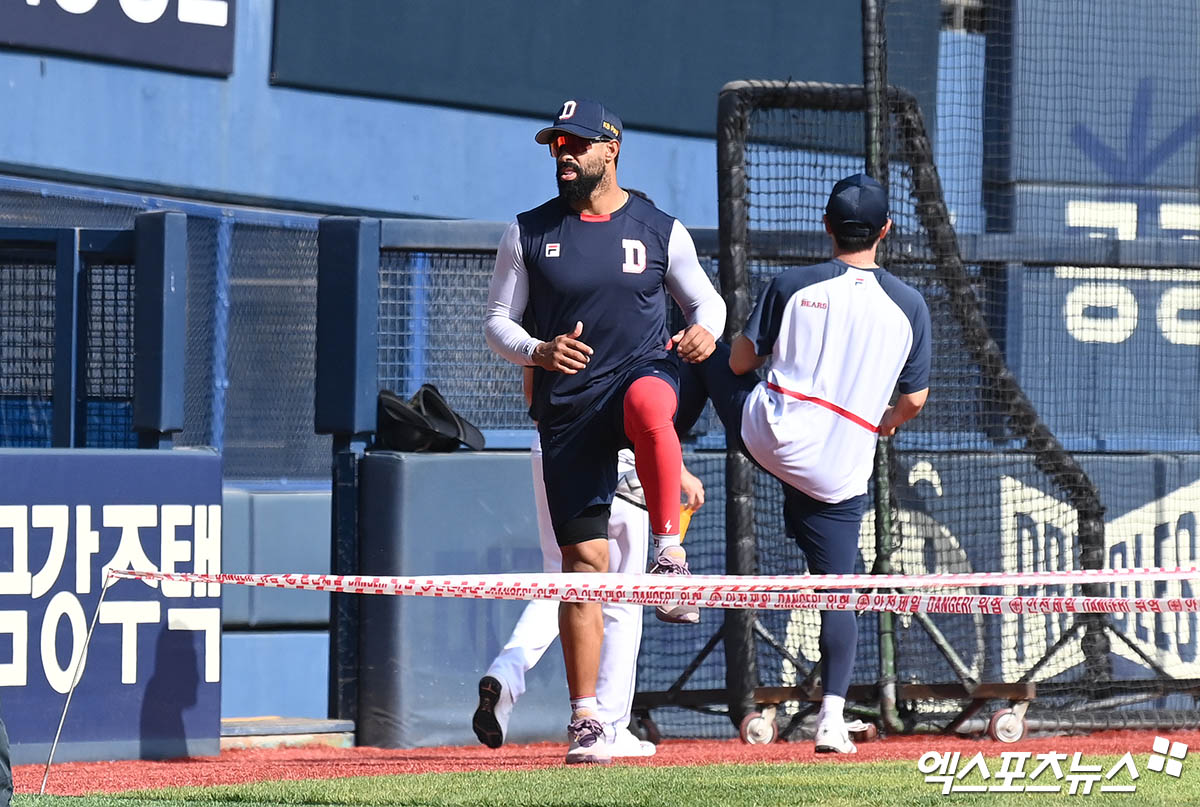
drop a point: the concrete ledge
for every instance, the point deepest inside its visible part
(285, 732)
(333, 740)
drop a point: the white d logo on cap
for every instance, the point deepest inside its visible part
(568, 110)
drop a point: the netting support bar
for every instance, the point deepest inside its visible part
(875, 117)
(159, 326)
(737, 102)
(741, 555)
(346, 388)
(220, 347)
(738, 99)
(70, 423)
(947, 650)
(875, 124)
(1048, 454)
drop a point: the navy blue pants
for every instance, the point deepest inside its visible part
(579, 459)
(828, 535)
(826, 532)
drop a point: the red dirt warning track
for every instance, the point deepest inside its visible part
(235, 767)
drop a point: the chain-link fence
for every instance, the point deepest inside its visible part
(251, 309)
(26, 347)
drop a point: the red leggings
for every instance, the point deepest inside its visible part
(650, 405)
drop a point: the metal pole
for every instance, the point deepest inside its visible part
(222, 300)
(346, 387)
(875, 120)
(875, 111)
(67, 329)
(344, 608)
(741, 548)
(108, 580)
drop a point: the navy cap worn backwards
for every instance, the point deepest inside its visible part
(858, 206)
(587, 119)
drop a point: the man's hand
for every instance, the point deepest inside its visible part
(888, 423)
(694, 343)
(692, 489)
(564, 353)
(905, 409)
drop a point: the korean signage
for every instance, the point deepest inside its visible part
(1050, 772)
(190, 35)
(150, 684)
(1109, 355)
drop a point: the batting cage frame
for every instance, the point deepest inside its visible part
(1093, 695)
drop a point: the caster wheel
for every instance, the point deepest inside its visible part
(646, 729)
(1006, 727)
(758, 729)
(865, 734)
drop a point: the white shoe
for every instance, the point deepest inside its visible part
(490, 720)
(589, 744)
(625, 744)
(834, 739)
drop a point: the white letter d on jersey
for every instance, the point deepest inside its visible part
(635, 256)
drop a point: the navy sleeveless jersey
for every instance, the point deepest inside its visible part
(607, 272)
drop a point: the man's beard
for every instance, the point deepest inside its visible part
(578, 190)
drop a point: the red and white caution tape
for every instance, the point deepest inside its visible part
(657, 590)
(727, 582)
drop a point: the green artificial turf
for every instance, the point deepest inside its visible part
(874, 784)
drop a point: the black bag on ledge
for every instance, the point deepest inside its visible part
(423, 423)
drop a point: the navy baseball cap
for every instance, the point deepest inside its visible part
(858, 206)
(587, 119)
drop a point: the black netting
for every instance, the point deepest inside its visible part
(251, 312)
(203, 304)
(26, 349)
(431, 307)
(667, 649)
(108, 361)
(270, 359)
(978, 482)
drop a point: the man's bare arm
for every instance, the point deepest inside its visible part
(743, 359)
(905, 409)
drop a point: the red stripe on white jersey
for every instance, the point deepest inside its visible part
(832, 407)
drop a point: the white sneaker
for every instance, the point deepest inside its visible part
(490, 721)
(834, 739)
(588, 741)
(625, 744)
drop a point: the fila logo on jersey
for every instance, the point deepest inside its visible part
(635, 256)
(551, 250)
(858, 281)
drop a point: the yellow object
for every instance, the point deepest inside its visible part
(685, 518)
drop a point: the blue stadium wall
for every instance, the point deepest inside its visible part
(279, 129)
(324, 144)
